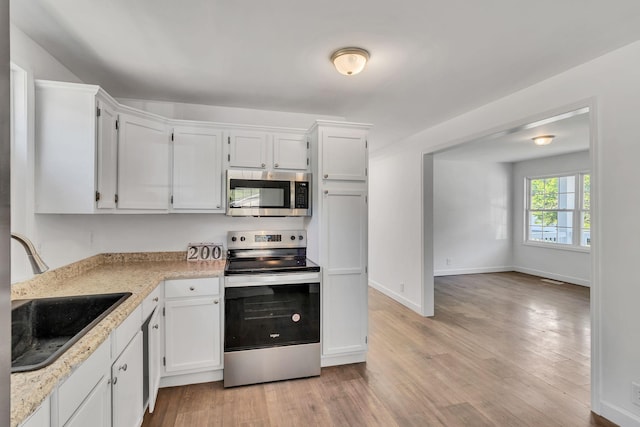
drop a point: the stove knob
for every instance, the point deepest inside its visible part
(234, 238)
(293, 237)
(242, 239)
(300, 237)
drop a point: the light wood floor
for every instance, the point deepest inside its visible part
(503, 349)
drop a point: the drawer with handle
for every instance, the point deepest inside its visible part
(192, 287)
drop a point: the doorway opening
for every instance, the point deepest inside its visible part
(500, 203)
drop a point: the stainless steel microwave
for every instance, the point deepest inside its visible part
(262, 193)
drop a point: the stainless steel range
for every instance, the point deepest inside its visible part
(272, 308)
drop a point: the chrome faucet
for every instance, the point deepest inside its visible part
(38, 265)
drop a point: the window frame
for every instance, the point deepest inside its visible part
(577, 212)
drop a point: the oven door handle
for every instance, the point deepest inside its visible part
(270, 279)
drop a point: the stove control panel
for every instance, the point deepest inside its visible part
(266, 239)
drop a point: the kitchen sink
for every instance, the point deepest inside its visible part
(44, 328)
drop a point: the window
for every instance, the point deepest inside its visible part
(558, 210)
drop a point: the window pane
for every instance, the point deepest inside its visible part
(535, 218)
(565, 219)
(535, 233)
(586, 188)
(550, 234)
(565, 235)
(550, 218)
(537, 194)
(566, 192)
(585, 234)
(551, 193)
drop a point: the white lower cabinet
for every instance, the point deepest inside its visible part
(106, 389)
(192, 325)
(96, 409)
(41, 417)
(344, 328)
(126, 385)
(155, 357)
(87, 390)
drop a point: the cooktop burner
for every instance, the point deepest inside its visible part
(268, 252)
(269, 265)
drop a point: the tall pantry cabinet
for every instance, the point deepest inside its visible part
(338, 236)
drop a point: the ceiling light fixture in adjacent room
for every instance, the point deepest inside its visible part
(350, 60)
(543, 139)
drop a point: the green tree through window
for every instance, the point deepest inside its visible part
(558, 210)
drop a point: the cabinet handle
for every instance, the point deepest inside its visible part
(276, 165)
(115, 380)
(215, 301)
(191, 288)
(155, 326)
(326, 192)
(218, 207)
(263, 165)
(326, 175)
(156, 299)
(123, 367)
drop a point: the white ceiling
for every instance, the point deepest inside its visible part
(571, 132)
(430, 59)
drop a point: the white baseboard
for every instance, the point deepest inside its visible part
(194, 378)
(478, 270)
(396, 296)
(343, 359)
(618, 415)
(560, 277)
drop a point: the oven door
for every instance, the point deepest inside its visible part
(271, 315)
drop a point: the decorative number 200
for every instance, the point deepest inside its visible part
(203, 251)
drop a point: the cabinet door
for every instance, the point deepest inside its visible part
(344, 155)
(143, 164)
(96, 408)
(247, 149)
(193, 338)
(344, 274)
(197, 168)
(41, 417)
(107, 156)
(126, 378)
(290, 152)
(155, 357)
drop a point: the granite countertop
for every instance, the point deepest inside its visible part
(138, 273)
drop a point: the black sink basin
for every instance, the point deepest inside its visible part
(44, 328)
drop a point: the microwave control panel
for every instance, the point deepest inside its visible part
(302, 195)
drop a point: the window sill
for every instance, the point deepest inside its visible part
(559, 247)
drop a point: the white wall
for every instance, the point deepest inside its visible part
(561, 264)
(63, 239)
(33, 58)
(472, 217)
(395, 195)
(612, 87)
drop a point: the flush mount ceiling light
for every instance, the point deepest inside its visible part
(543, 139)
(350, 60)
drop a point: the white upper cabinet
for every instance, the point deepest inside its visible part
(254, 149)
(344, 154)
(107, 141)
(143, 162)
(197, 168)
(75, 148)
(290, 151)
(247, 149)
